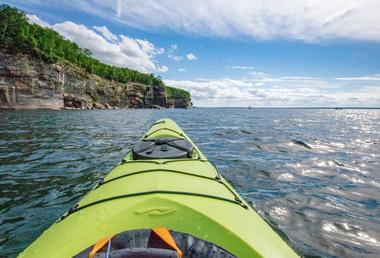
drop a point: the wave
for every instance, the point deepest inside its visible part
(301, 143)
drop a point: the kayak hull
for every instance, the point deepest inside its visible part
(184, 195)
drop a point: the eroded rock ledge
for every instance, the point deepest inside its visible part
(27, 82)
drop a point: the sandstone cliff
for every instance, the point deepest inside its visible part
(28, 82)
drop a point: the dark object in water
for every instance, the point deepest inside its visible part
(301, 143)
(338, 163)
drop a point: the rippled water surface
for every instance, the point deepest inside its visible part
(313, 174)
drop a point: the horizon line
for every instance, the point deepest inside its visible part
(250, 107)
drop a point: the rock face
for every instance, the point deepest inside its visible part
(27, 82)
(179, 103)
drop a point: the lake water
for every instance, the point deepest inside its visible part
(314, 175)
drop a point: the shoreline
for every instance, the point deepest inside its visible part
(126, 108)
(78, 109)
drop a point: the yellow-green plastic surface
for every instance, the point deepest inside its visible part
(182, 195)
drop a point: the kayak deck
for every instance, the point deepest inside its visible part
(184, 195)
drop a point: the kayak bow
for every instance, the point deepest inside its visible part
(185, 194)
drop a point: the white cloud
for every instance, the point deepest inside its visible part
(375, 77)
(106, 33)
(287, 91)
(34, 19)
(191, 57)
(171, 53)
(119, 8)
(299, 78)
(243, 67)
(175, 58)
(122, 51)
(307, 20)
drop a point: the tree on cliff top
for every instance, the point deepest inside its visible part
(172, 92)
(19, 36)
(12, 25)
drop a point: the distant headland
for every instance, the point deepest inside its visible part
(41, 69)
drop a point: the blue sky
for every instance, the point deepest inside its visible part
(234, 53)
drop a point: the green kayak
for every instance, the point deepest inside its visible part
(164, 181)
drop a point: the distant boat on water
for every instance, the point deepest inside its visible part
(338, 108)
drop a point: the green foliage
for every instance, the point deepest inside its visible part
(19, 36)
(176, 93)
(13, 26)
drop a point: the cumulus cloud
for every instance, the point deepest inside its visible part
(122, 51)
(286, 91)
(36, 20)
(106, 33)
(311, 20)
(191, 57)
